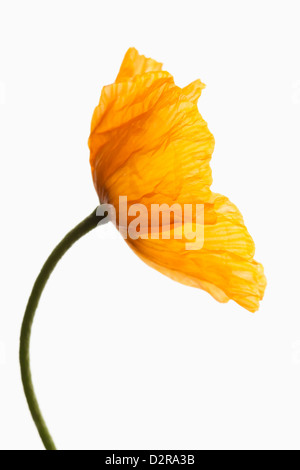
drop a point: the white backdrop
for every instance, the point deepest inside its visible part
(122, 356)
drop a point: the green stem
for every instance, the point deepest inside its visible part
(79, 231)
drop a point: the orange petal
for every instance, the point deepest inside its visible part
(221, 273)
(149, 143)
(135, 64)
(193, 90)
(156, 133)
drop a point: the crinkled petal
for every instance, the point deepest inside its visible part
(222, 274)
(136, 64)
(193, 91)
(149, 143)
(154, 133)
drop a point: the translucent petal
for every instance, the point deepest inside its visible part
(149, 143)
(135, 64)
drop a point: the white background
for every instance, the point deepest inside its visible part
(122, 356)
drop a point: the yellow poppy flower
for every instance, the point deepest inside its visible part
(149, 143)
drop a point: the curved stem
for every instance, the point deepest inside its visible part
(79, 231)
